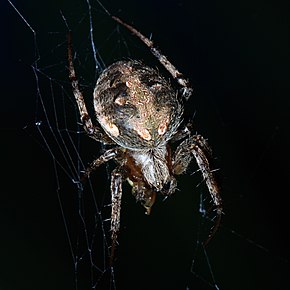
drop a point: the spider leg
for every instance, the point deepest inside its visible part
(116, 196)
(186, 90)
(197, 147)
(108, 155)
(182, 133)
(93, 131)
(116, 192)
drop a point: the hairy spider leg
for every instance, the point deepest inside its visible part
(197, 147)
(117, 179)
(93, 131)
(116, 192)
(187, 89)
(107, 156)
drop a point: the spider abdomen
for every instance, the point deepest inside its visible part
(136, 106)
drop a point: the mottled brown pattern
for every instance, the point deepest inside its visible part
(141, 115)
(140, 102)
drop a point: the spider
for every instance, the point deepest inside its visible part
(140, 114)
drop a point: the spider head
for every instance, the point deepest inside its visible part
(136, 107)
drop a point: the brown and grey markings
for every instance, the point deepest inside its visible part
(136, 106)
(140, 115)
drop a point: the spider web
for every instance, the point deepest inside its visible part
(164, 250)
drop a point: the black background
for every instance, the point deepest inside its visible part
(236, 53)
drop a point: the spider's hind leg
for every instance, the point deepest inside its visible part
(93, 131)
(186, 88)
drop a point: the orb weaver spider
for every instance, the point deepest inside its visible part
(140, 114)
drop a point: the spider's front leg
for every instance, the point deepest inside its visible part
(197, 147)
(107, 156)
(117, 178)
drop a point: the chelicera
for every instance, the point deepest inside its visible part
(140, 116)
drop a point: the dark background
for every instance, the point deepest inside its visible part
(236, 54)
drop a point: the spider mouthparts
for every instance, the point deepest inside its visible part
(148, 210)
(148, 203)
(166, 186)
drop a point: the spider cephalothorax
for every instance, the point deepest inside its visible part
(140, 116)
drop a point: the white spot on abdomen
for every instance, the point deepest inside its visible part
(109, 127)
